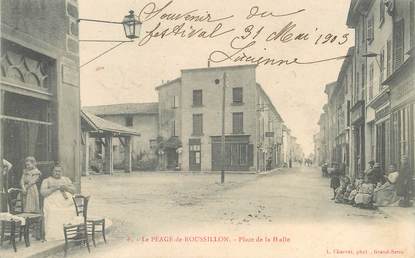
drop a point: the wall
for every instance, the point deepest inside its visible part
(50, 28)
(167, 112)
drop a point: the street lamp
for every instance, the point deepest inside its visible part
(222, 142)
(132, 26)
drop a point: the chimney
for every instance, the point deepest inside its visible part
(208, 63)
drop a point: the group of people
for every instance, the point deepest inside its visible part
(56, 192)
(374, 188)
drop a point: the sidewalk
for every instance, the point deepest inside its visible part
(39, 249)
(399, 213)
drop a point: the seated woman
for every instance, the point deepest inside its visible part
(385, 195)
(58, 205)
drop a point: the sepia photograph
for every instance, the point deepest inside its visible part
(207, 129)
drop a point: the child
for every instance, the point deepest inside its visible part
(30, 177)
(357, 184)
(364, 196)
(340, 191)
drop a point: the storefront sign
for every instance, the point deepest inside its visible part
(382, 112)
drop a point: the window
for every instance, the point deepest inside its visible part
(198, 124)
(197, 98)
(381, 12)
(237, 95)
(370, 93)
(27, 128)
(398, 43)
(129, 121)
(175, 103)
(370, 30)
(173, 128)
(237, 123)
(388, 58)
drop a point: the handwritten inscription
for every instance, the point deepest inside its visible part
(205, 25)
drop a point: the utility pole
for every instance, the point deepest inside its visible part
(222, 140)
(222, 174)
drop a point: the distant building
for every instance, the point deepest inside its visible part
(142, 118)
(190, 121)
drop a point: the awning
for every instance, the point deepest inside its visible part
(100, 125)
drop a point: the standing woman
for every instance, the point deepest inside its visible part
(30, 177)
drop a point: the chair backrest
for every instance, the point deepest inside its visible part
(15, 201)
(81, 205)
(75, 232)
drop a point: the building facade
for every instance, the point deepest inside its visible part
(190, 121)
(382, 85)
(39, 89)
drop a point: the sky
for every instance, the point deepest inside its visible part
(130, 72)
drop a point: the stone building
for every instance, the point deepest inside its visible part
(386, 29)
(190, 109)
(39, 88)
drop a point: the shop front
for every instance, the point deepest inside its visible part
(381, 128)
(402, 85)
(30, 106)
(238, 153)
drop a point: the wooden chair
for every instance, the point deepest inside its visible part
(77, 231)
(32, 220)
(8, 232)
(94, 224)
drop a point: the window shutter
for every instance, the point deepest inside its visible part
(412, 23)
(388, 58)
(381, 11)
(382, 67)
(398, 43)
(370, 30)
(197, 98)
(237, 123)
(237, 95)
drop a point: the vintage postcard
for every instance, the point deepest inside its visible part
(208, 129)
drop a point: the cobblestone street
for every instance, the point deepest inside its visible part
(289, 204)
